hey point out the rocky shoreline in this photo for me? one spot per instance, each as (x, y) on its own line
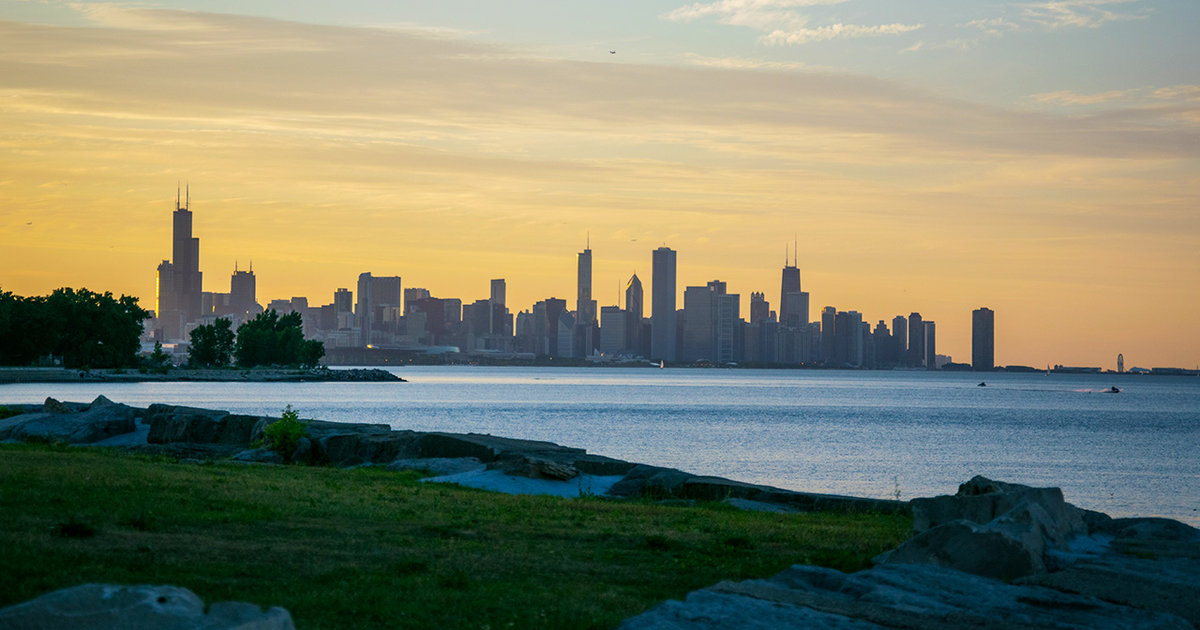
(254, 375)
(994, 555)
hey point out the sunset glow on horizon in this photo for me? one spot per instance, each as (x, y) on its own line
(1038, 158)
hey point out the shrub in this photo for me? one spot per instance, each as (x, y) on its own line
(283, 435)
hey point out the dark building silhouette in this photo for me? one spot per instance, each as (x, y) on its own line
(930, 343)
(899, 355)
(584, 339)
(983, 340)
(634, 312)
(662, 306)
(375, 296)
(760, 308)
(916, 341)
(828, 332)
(793, 302)
(180, 300)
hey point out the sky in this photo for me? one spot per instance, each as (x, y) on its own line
(1040, 158)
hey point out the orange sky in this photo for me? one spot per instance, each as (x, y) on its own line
(324, 151)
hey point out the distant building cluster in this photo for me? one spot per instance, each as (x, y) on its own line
(381, 315)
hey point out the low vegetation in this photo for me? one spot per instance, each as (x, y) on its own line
(369, 548)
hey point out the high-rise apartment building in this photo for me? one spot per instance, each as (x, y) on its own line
(916, 341)
(930, 343)
(983, 340)
(662, 305)
(899, 340)
(760, 309)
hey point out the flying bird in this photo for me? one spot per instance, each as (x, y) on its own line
(612, 52)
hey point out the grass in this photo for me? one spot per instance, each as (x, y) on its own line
(369, 548)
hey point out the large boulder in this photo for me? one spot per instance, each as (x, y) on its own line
(86, 425)
(172, 423)
(982, 500)
(356, 448)
(106, 606)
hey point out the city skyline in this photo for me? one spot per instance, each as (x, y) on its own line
(927, 158)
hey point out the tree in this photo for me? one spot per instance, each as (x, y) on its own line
(83, 327)
(269, 339)
(211, 344)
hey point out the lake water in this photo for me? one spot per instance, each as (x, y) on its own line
(845, 432)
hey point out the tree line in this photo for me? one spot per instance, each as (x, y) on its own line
(94, 330)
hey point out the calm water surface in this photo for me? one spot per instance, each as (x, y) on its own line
(857, 433)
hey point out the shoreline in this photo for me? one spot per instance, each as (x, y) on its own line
(231, 375)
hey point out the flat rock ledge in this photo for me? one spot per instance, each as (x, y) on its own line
(994, 555)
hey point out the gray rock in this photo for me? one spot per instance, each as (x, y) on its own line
(170, 423)
(79, 427)
(920, 597)
(355, 449)
(303, 452)
(978, 549)
(650, 481)
(53, 406)
(438, 466)
(108, 606)
(982, 500)
(535, 468)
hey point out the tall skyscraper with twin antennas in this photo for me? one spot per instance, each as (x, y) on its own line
(179, 296)
(793, 302)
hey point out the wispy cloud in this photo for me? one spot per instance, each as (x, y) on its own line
(780, 21)
(1057, 14)
(1068, 97)
(822, 33)
(993, 27)
(741, 63)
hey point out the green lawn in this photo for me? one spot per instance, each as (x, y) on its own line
(370, 548)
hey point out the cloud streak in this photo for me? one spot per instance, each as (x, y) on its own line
(780, 22)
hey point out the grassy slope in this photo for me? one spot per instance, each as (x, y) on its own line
(368, 548)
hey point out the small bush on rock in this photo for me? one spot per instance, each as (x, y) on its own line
(283, 435)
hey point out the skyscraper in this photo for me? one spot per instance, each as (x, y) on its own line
(930, 344)
(662, 305)
(916, 341)
(498, 324)
(585, 307)
(374, 295)
(180, 296)
(793, 302)
(633, 312)
(899, 354)
(983, 340)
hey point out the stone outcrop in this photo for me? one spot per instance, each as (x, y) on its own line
(916, 597)
(70, 422)
(990, 528)
(995, 555)
(106, 606)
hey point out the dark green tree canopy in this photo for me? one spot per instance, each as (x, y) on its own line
(212, 344)
(83, 327)
(270, 339)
